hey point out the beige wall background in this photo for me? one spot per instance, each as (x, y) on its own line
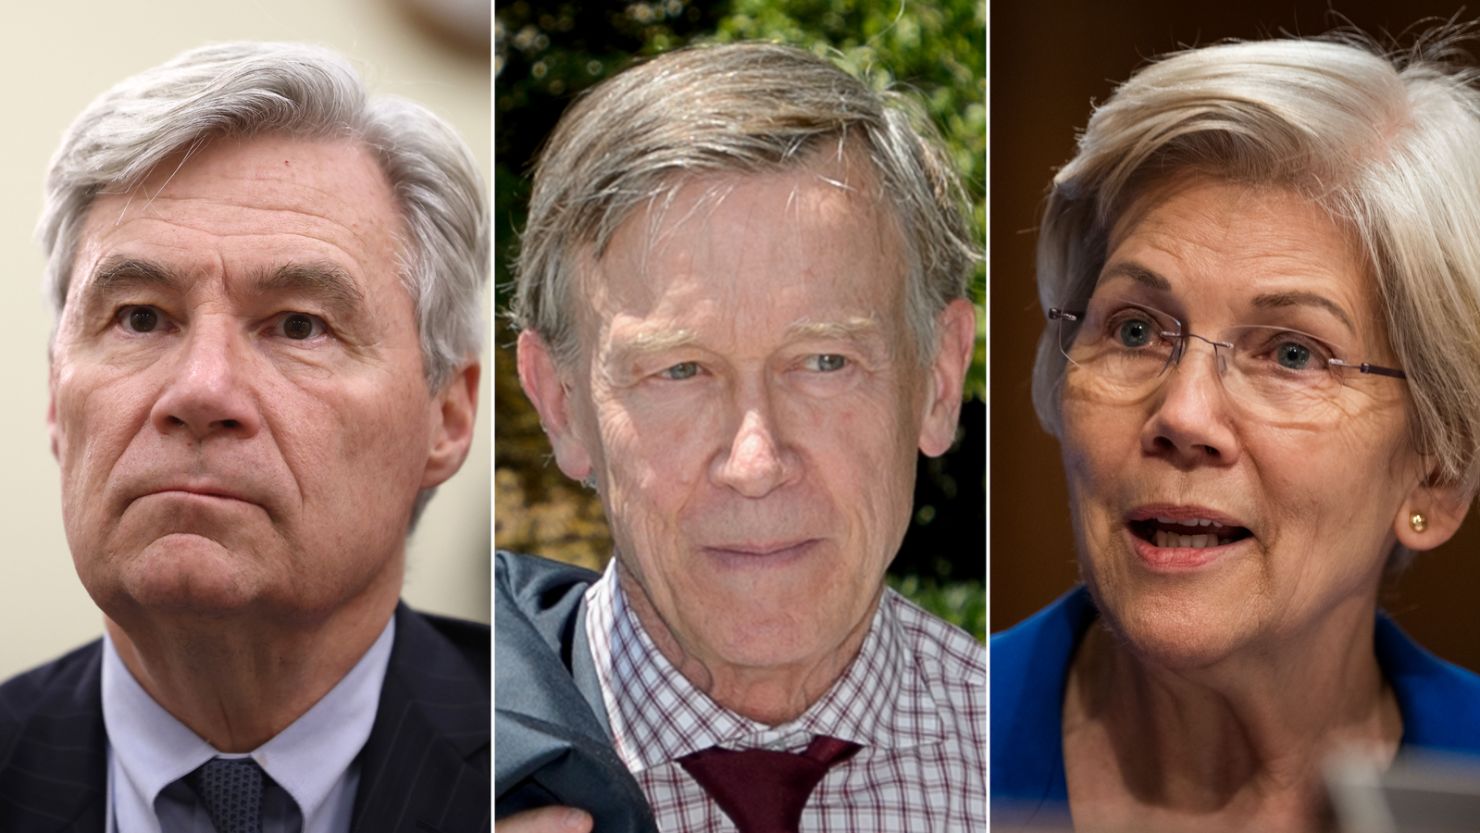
(55, 58)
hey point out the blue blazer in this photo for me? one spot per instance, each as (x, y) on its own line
(554, 744)
(1440, 702)
(423, 768)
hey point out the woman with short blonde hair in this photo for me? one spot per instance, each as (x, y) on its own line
(1262, 362)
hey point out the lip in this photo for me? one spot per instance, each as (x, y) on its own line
(760, 553)
(205, 493)
(1181, 512)
(199, 490)
(1174, 560)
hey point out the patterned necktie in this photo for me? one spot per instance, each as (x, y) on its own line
(231, 790)
(761, 790)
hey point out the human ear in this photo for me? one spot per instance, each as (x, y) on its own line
(51, 421)
(53, 430)
(955, 336)
(456, 413)
(550, 394)
(1431, 513)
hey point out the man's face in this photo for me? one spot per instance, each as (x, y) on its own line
(749, 403)
(238, 403)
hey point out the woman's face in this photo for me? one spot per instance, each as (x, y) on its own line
(1307, 500)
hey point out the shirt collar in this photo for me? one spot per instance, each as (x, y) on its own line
(306, 759)
(657, 715)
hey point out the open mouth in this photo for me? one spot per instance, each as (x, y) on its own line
(1188, 533)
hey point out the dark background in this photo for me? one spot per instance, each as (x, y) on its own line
(546, 52)
(1049, 61)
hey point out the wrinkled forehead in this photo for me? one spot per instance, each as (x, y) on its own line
(813, 219)
(1243, 235)
(335, 187)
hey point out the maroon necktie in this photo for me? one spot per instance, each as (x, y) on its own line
(761, 790)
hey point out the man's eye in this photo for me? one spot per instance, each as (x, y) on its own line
(681, 371)
(826, 362)
(139, 319)
(300, 326)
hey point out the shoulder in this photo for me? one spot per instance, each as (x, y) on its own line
(537, 601)
(1030, 665)
(1033, 649)
(535, 581)
(53, 746)
(553, 746)
(458, 646)
(942, 650)
(1440, 701)
(950, 664)
(63, 685)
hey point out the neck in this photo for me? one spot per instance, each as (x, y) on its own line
(769, 694)
(239, 680)
(1139, 738)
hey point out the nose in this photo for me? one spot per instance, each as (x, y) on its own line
(208, 392)
(1190, 423)
(758, 460)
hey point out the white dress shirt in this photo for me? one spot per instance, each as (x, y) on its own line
(311, 761)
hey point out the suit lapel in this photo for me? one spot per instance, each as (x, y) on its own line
(53, 770)
(425, 766)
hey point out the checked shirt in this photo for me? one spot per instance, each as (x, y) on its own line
(914, 698)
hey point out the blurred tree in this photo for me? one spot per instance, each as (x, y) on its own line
(546, 53)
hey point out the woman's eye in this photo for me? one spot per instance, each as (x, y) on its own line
(1292, 355)
(300, 326)
(1134, 332)
(139, 319)
(826, 362)
(681, 371)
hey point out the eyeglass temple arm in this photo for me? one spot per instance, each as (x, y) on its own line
(1366, 367)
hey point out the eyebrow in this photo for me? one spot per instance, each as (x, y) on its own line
(1138, 273)
(656, 341)
(320, 280)
(1302, 298)
(649, 342)
(1269, 300)
(851, 328)
(323, 281)
(121, 272)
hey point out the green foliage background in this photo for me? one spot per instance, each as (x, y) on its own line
(547, 52)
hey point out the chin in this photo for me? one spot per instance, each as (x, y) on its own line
(177, 574)
(1183, 629)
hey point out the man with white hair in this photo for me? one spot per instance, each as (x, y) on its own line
(743, 312)
(267, 289)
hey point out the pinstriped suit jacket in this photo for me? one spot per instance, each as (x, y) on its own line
(424, 769)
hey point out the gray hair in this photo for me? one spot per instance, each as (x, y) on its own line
(747, 108)
(248, 89)
(1388, 146)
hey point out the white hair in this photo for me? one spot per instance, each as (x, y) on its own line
(247, 89)
(1388, 145)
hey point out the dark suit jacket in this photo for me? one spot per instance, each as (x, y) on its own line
(554, 745)
(424, 767)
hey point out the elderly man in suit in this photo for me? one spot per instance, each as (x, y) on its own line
(742, 307)
(267, 289)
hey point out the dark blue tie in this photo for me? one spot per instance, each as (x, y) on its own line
(231, 790)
